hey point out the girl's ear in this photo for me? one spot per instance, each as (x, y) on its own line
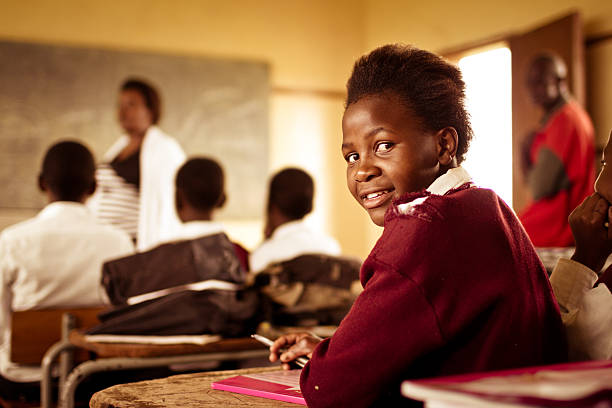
(447, 146)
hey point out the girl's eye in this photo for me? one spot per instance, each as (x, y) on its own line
(384, 147)
(351, 157)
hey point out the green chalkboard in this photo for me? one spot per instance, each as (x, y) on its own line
(212, 106)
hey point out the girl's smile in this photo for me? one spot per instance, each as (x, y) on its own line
(388, 153)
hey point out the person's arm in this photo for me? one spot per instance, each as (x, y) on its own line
(390, 325)
(7, 272)
(547, 176)
(526, 162)
(586, 311)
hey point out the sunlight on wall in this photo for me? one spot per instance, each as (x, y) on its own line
(295, 141)
(488, 79)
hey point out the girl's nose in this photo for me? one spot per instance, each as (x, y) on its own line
(366, 171)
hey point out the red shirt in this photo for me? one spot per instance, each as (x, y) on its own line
(454, 286)
(569, 135)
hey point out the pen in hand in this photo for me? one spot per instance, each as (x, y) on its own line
(300, 361)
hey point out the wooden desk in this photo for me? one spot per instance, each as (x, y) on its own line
(109, 350)
(184, 391)
(113, 357)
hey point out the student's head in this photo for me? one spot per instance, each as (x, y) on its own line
(139, 106)
(199, 189)
(404, 124)
(68, 172)
(603, 185)
(546, 80)
(289, 197)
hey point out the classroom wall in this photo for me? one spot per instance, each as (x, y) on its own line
(440, 24)
(310, 46)
(599, 86)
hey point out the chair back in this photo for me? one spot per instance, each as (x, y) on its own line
(34, 331)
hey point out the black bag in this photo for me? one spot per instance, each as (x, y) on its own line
(227, 313)
(172, 264)
(175, 267)
(309, 290)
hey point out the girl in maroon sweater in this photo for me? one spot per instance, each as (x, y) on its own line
(454, 284)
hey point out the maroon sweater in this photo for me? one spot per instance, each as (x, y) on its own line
(453, 287)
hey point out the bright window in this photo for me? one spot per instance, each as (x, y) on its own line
(488, 79)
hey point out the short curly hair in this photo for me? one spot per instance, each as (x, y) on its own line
(149, 94)
(202, 181)
(431, 87)
(292, 192)
(68, 169)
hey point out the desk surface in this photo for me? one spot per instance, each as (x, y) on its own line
(156, 350)
(185, 391)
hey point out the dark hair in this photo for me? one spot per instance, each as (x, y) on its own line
(201, 180)
(68, 170)
(149, 94)
(431, 87)
(291, 191)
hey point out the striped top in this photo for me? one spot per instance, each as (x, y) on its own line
(119, 203)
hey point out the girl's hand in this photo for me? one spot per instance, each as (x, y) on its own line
(291, 346)
(593, 239)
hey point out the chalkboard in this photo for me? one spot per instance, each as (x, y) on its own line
(214, 107)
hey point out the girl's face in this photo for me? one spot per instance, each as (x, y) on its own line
(603, 185)
(134, 115)
(387, 152)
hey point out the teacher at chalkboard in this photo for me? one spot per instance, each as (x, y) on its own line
(136, 178)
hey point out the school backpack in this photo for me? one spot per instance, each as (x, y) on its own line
(309, 290)
(187, 287)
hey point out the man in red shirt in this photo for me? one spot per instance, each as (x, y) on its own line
(558, 158)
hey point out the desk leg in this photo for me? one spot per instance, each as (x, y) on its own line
(47, 363)
(66, 359)
(84, 370)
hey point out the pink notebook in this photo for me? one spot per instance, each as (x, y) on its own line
(282, 385)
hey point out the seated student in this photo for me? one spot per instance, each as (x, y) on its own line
(587, 310)
(287, 235)
(199, 251)
(200, 190)
(55, 258)
(454, 284)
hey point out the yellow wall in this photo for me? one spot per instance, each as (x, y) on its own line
(441, 24)
(310, 45)
(599, 84)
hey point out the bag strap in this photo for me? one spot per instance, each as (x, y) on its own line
(209, 284)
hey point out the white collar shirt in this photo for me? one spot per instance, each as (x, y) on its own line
(290, 240)
(53, 260)
(196, 229)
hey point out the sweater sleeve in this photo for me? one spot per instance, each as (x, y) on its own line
(586, 310)
(390, 325)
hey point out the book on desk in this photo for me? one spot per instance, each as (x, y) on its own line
(282, 385)
(585, 385)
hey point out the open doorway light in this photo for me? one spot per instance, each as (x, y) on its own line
(488, 78)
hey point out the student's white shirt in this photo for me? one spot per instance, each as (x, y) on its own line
(586, 311)
(54, 259)
(196, 229)
(291, 240)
